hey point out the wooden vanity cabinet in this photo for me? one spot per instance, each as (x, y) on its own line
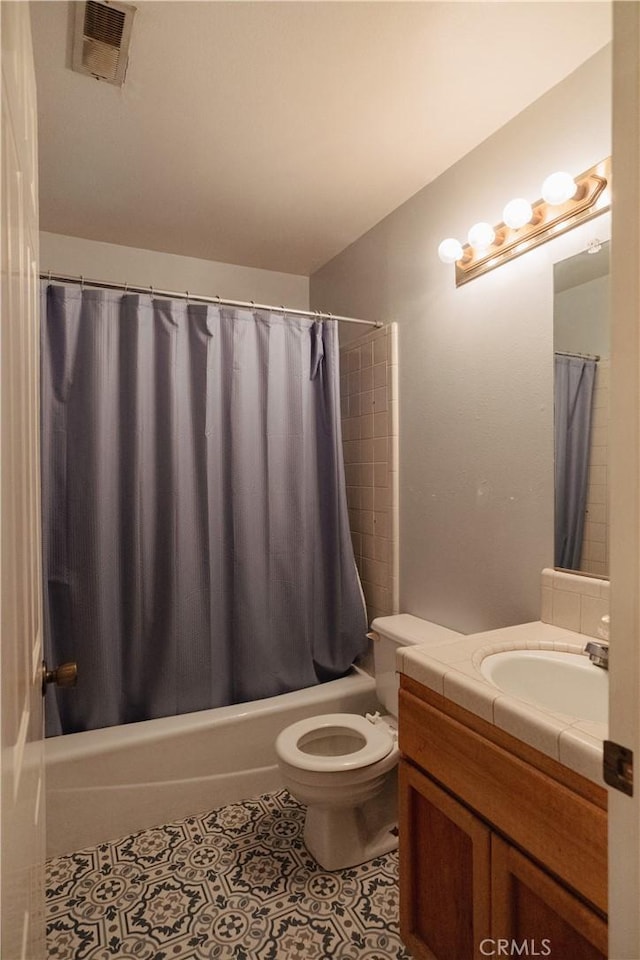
(497, 842)
(445, 864)
(528, 904)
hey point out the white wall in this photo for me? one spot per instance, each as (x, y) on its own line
(475, 363)
(74, 256)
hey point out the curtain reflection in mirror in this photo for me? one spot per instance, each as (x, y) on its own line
(574, 378)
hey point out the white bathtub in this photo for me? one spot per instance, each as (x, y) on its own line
(105, 784)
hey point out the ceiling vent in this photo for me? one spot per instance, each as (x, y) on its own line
(101, 39)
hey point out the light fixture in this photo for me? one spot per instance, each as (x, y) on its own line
(450, 250)
(566, 202)
(481, 236)
(558, 188)
(517, 212)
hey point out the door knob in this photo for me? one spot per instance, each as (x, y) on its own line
(66, 675)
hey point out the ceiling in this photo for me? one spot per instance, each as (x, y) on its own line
(274, 134)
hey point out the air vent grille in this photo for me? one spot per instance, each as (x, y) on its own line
(103, 23)
(101, 39)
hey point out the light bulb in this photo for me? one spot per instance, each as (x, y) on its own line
(517, 212)
(481, 236)
(558, 188)
(450, 250)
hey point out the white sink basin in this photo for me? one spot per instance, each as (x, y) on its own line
(564, 682)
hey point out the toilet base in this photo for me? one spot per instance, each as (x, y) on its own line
(339, 837)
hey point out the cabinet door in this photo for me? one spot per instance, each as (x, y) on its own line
(528, 905)
(444, 872)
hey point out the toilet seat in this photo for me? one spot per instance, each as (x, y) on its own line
(364, 742)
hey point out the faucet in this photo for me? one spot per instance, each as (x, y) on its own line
(598, 653)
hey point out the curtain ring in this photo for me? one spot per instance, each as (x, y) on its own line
(187, 292)
(151, 291)
(126, 285)
(81, 283)
(218, 299)
(49, 279)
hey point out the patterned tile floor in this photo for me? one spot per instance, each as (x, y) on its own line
(235, 884)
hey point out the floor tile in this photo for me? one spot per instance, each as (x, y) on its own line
(233, 884)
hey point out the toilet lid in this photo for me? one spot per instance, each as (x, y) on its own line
(334, 741)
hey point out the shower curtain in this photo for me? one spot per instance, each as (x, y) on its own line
(573, 391)
(196, 542)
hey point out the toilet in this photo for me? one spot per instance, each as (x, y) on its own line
(342, 766)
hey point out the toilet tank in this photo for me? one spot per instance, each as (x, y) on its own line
(390, 633)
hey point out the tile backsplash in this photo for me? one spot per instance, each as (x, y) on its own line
(574, 602)
(369, 407)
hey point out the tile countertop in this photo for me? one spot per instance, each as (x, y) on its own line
(452, 669)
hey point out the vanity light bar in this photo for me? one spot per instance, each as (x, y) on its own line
(565, 204)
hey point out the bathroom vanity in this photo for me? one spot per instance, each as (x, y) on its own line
(500, 838)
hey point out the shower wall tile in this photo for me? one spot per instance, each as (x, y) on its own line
(369, 405)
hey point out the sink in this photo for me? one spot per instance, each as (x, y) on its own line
(564, 682)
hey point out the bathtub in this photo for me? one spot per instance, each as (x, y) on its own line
(105, 784)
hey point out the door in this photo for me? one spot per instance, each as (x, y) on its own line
(529, 907)
(21, 783)
(444, 872)
(624, 710)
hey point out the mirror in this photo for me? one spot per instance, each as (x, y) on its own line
(581, 410)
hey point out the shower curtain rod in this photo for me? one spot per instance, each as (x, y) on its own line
(578, 356)
(218, 301)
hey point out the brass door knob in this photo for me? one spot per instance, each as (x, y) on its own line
(66, 675)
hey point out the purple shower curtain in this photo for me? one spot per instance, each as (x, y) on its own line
(196, 542)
